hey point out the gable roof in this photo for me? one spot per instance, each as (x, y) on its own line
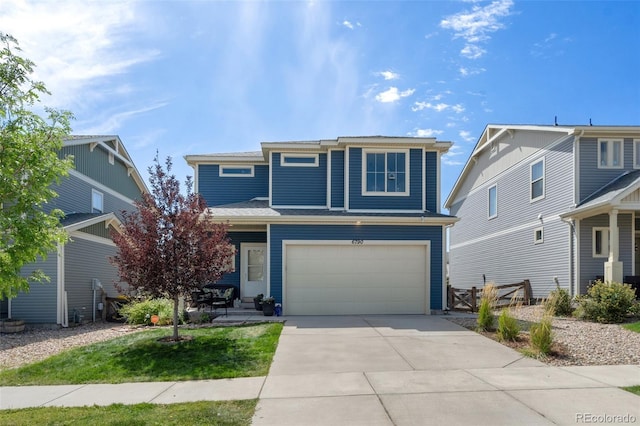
(75, 221)
(113, 145)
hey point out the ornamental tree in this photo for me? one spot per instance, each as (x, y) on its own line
(170, 246)
(29, 165)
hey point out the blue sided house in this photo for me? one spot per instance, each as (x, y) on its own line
(344, 226)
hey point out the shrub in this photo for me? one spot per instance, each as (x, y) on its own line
(542, 336)
(606, 302)
(508, 327)
(141, 312)
(559, 303)
(487, 301)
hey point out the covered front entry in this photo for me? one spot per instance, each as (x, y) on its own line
(355, 277)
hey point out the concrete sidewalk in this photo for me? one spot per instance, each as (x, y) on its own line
(386, 370)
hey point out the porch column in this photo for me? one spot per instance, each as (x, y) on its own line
(612, 267)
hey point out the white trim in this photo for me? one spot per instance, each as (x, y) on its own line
(329, 177)
(385, 193)
(444, 270)
(636, 153)
(423, 163)
(537, 240)
(268, 260)
(350, 242)
(489, 215)
(323, 207)
(578, 255)
(503, 232)
(244, 271)
(285, 155)
(196, 175)
(78, 235)
(60, 286)
(604, 243)
(100, 186)
(609, 160)
(223, 173)
(576, 170)
(543, 178)
(439, 179)
(270, 179)
(105, 217)
(112, 158)
(95, 192)
(347, 195)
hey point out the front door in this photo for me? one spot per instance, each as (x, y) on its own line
(253, 261)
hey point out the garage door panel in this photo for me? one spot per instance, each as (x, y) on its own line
(345, 279)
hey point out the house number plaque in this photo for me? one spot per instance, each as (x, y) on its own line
(357, 242)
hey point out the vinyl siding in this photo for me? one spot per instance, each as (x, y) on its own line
(234, 278)
(359, 202)
(95, 164)
(503, 248)
(39, 305)
(349, 233)
(590, 266)
(431, 181)
(299, 186)
(85, 260)
(591, 177)
(337, 179)
(219, 191)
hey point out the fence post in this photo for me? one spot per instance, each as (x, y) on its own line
(527, 292)
(473, 298)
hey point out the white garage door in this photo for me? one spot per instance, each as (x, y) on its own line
(350, 279)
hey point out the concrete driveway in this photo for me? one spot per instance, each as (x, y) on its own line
(420, 370)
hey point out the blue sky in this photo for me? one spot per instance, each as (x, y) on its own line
(195, 77)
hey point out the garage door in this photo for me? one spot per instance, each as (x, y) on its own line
(361, 278)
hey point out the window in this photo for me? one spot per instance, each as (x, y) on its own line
(96, 202)
(299, 160)
(236, 171)
(385, 173)
(600, 242)
(493, 202)
(538, 237)
(537, 180)
(610, 154)
(636, 153)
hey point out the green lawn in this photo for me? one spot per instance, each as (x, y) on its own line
(193, 413)
(214, 353)
(633, 389)
(634, 326)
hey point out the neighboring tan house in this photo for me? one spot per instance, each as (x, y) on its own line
(344, 226)
(558, 205)
(103, 183)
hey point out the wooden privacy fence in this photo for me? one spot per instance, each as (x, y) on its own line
(467, 299)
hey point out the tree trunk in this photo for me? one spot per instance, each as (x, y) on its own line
(176, 301)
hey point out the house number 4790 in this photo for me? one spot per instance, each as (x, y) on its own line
(357, 242)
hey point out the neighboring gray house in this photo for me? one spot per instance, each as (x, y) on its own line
(103, 183)
(552, 204)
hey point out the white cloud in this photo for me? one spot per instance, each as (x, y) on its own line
(439, 107)
(113, 121)
(467, 136)
(347, 24)
(475, 26)
(426, 133)
(450, 159)
(77, 46)
(457, 108)
(466, 72)
(388, 75)
(393, 95)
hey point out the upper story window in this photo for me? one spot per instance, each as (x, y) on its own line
(385, 173)
(600, 242)
(537, 180)
(236, 171)
(299, 160)
(493, 202)
(97, 202)
(636, 153)
(610, 154)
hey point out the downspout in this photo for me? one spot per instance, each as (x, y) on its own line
(572, 269)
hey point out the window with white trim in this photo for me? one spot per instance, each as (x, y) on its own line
(97, 202)
(538, 235)
(636, 153)
(299, 160)
(236, 171)
(600, 242)
(385, 172)
(493, 201)
(537, 180)
(610, 154)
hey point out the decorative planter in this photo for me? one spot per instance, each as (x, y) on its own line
(268, 309)
(11, 326)
(257, 303)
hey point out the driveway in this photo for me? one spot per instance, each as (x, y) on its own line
(417, 370)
